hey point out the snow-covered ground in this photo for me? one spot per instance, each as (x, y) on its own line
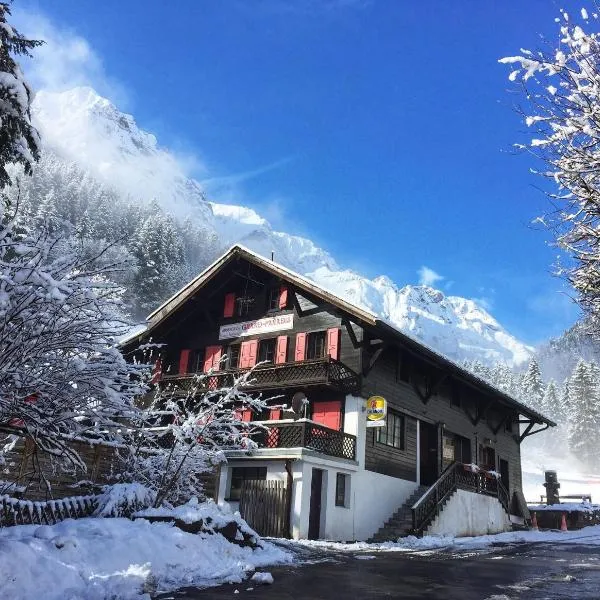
(99, 558)
(587, 536)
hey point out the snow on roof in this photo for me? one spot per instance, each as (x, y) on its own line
(166, 308)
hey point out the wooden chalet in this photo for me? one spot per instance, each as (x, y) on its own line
(447, 459)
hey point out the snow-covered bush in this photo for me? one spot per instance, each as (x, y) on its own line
(179, 436)
(123, 499)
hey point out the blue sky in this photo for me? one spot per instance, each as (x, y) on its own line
(381, 129)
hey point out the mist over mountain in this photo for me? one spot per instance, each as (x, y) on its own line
(114, 183)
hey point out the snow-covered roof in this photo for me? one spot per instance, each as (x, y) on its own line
(364, 315)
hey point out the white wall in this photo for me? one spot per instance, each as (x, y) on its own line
(467, 513)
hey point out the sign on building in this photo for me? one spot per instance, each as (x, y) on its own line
(376, 411)
(258, 326)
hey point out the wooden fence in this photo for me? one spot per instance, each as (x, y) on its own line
(264, 505)
(14, 511)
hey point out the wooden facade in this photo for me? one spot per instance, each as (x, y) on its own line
(441, 413)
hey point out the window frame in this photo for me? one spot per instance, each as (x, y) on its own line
(273, 296)
(234, 350)
(342, 489)
(265, 343)
(313, 338)
(394, 416)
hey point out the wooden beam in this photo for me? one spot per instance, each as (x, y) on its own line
(351, 333)
(526, 432)
(373, 360)
(503, 420)
(481, 414)
(529, 431)
(430, 388)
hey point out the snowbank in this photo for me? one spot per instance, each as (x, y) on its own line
(588, 536)
(117, 558)
(586, 507)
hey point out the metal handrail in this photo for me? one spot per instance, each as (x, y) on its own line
(456, 476)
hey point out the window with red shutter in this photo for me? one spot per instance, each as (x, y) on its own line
(253, 345)
(184, 361)
(333, 343)
(300, 352)
(281, 352)
(328, 413)
(156, 371)
(274, 414)
(229, 308)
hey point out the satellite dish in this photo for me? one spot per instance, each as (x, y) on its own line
(299, 403)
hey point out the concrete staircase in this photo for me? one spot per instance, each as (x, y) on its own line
(400, 523)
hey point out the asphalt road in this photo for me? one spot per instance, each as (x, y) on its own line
(508, 572)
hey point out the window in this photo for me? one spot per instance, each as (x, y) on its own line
(241, 474)
(266, 350)
(342, 489)
(273, 298)
(508, 425)
(245, 305)
(403, 369)
(233, 356)
(393, 432)
(317, 345)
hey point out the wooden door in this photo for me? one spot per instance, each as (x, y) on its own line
(314, 517)
(428, 453)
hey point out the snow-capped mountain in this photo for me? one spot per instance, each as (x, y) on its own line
(81, 127)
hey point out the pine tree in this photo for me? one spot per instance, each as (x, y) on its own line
(584, 399)
(551, 402)
(532, 386)
(19, 141)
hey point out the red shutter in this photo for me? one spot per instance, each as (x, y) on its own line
(156, 371)
(243, 414)
(300, 346)
(253, 352)
(283, 297)
(184, 361)
(244, 354)
(248, 352)
(328, 413)
(212, 357)
(333, 343)
(281, 352)
(275, 414)
(229, 307)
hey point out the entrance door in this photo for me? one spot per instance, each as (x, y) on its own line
(314, 516)
(428, 453)
(504, 473)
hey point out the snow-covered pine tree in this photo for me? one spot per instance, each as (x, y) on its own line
(532, 386)
(19, 141)
(551, 402)
(160, 255)
(584, 425)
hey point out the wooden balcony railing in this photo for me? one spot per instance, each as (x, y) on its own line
(305, 433)
(457, 476)
(323, 371)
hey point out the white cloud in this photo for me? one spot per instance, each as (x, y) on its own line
(428, 276)
(66, 60)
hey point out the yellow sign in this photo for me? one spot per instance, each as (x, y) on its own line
(376, 411)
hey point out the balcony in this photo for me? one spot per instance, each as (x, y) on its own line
(305, 433)
(319, 372)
